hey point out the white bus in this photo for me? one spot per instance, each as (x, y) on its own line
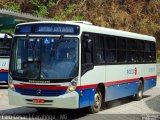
(5, 47)
(76, 64)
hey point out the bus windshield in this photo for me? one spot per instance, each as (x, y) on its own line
(45, 58)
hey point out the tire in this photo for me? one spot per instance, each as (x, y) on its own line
(97, 102)
(139, 94)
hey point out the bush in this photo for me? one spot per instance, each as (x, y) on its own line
(41, 8)
(12, 6)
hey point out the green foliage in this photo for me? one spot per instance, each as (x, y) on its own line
(41, 7)
(12, 6)
(11, 31)
(158, 60)
(78, 18)
(42, 12)
(64, 14)
(69, 9)
(58, 18)
(158, 56)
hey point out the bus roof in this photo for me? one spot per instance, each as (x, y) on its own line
(88, 27)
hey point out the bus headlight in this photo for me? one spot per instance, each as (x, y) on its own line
(72, 86)
(10, 83)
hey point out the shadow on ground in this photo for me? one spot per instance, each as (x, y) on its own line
(118, 102)
(63, 114)
(31, 113)
(154, 103)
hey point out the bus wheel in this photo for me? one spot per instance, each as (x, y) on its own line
(97, 102)
(139, 94)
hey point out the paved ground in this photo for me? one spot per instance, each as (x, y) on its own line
(123, 109)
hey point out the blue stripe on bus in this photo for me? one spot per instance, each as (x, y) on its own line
(114, 91)
(149, 83)
(121, 90)
(88, 97)
(3, 76)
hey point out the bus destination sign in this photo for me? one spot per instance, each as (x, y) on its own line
(65, 29)
(55, 29)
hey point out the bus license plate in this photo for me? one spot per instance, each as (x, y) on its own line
(38, 101)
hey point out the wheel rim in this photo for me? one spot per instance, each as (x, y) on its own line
(140, 93)
(97, 99)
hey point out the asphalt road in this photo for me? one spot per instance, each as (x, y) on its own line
(123, 109)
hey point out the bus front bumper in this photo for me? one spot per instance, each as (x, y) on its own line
(69, 100)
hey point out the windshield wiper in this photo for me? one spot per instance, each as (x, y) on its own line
(60, 38)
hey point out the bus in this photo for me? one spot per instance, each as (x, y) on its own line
(106, 64)
(5, 47)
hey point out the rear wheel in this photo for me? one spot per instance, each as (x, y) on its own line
(139, 94)
(97, 102)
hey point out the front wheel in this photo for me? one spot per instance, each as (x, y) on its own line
(139, 94)
(97, 102)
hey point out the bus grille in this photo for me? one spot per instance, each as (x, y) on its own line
(40, 92)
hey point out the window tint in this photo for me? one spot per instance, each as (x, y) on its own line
(140, 45)
(121, 56)
(153, 46)
(110, 43)
(147, 46)
(131, 44)
(121, 43)
(131, 50)
(99, 43)
(140, 56)
(147, 57)
(87, 50)
(121, 50)
(139, 51)
(153, 56)
(131, 57)
(150, 51)
(110, 56)
(110, 49)
(153, 51)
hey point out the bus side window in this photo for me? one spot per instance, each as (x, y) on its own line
(139, 51)
(150, 51)
(121, 50)
(131, 50)
(99, 45)
(87, 53)
(153, 51)
(110, 49)
(147, 51)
